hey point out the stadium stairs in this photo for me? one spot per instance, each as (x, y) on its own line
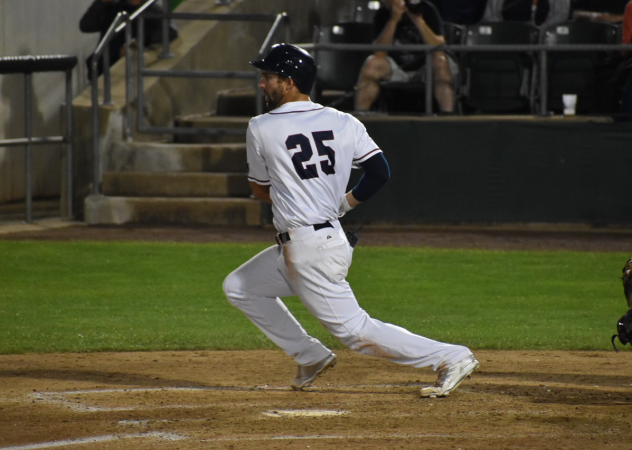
(195, 180)
(185, 179)
(191, 180)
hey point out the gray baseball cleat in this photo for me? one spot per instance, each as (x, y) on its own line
(451, 377)
(307, 374)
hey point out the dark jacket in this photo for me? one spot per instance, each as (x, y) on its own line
(100, 15)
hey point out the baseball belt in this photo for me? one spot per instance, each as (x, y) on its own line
(282, 238)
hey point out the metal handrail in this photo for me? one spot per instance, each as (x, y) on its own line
(469, 48)
(541, 49)
(27, 65)
(278, 21)
(120, 23)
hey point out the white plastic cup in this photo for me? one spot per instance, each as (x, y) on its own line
(570, 103)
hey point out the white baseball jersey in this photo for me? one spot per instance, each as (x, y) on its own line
(305, 152)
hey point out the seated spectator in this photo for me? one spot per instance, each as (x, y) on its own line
(461, 12)
(536, 12)
(395, 24)
(598, 10)
(100, 15)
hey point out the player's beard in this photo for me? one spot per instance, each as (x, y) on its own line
(273, 98)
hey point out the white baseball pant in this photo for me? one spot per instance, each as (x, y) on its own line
(314, 265)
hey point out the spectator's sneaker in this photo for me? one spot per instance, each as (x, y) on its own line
(451, 377)
(307, 374)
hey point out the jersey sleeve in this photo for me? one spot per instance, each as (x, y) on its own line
(257, 171)
(365, 145)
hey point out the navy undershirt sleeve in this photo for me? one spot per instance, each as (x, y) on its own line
(376, 174)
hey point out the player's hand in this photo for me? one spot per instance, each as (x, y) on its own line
(347, 203)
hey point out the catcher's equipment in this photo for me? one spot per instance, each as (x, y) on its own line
(292, 62)
(627, 282)
(624, 329)
(624, 325)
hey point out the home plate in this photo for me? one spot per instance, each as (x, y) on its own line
(304, 413)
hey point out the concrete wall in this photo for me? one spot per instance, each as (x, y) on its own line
(38, 27)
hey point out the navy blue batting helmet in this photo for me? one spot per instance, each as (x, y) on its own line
(290, 61)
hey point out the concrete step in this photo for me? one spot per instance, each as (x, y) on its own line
(102, 210)
(200, 179)
(175, 184)
(237, 102)
(177, 157)
(236, 123)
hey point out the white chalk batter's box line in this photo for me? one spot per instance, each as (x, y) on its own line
(320, 437)
(59, 398)
(98, 439)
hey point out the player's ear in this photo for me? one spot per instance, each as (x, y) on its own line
(290, 84)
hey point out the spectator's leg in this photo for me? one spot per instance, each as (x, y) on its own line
(376, 68)
(443, 82)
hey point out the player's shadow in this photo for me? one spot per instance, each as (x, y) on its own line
(554, 388)
(567, 378)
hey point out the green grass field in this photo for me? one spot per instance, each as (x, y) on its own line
(92, 296)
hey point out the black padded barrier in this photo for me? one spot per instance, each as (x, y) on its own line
(501, 171)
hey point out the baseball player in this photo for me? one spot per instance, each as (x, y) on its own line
(300, 156)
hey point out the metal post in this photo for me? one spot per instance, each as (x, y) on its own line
(428, 83)
(544, 83)
(96, 182)
(28, 132)
(286, 27)
(140, 48)
(166, 53)
(129, 81)
(107, 84)
(104, 49)
(68, 139)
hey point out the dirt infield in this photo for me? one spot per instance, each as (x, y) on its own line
(242, 400)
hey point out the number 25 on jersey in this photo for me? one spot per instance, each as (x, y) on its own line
(326, 158)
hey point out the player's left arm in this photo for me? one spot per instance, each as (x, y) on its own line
(376, 174)
(261, 192)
